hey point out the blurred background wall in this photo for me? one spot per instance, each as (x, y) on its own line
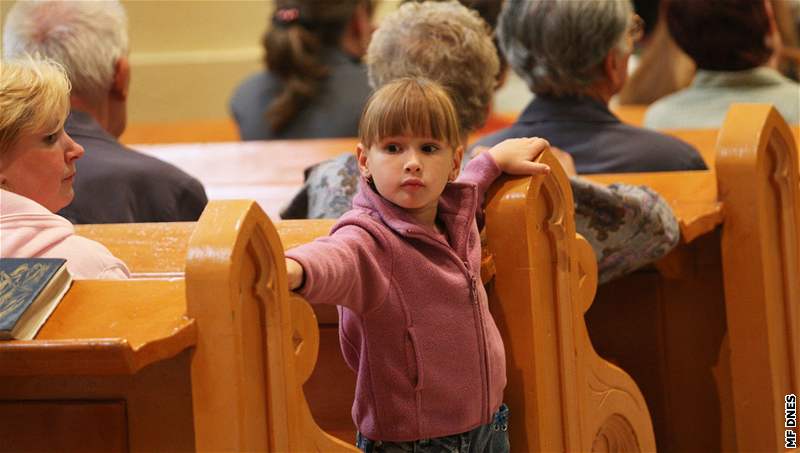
(188, 55)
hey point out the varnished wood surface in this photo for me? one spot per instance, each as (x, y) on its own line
(225, 351)
(102, 327)
(711, 336)
(268, 172)
(67, 427)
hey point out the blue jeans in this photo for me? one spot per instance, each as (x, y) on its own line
(489, 438)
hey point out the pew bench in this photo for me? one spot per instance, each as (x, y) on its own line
(711, 334)
(540, 278)
(212, 360)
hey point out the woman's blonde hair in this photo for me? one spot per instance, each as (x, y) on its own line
(410, 106)
(34, 95)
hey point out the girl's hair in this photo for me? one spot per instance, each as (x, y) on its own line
(34, 94)
(410, 106)
(294, 44)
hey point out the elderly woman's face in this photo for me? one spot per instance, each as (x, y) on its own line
(41, 166)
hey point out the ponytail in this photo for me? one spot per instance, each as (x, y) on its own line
(294, 45)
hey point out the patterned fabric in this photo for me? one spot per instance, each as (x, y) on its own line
(627, 226)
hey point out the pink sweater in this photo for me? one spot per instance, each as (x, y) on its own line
(29, 230)
(413, 319)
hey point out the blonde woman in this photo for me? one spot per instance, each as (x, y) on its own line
(37, 170)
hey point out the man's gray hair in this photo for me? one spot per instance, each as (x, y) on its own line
(86, 37)
(557, 46)
(444, 42)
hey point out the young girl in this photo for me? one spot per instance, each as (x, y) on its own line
(404, 268)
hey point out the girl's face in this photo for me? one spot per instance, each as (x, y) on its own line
(41, 166)
(411, 172)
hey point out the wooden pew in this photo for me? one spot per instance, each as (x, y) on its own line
(212, 361)
(269, 172)
(568, 398)
(711, 335)
(562, 395)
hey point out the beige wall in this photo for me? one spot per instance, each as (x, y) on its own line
(188, 55)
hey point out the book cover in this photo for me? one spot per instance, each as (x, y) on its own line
(30, 289)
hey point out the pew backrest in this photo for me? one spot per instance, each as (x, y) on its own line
(759, 186)
(567, 397)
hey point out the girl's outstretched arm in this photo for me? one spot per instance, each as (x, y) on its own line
(352, 268)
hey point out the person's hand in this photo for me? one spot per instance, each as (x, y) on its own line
(295, 273)
(514, 156)
(565, 159)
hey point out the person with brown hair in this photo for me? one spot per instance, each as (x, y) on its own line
(315, 84)
(404, 266)
(731, 42)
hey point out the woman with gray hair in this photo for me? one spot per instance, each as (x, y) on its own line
(574, 57)
(446, 42)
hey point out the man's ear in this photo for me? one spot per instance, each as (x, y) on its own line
(361, 157)
(458, 155)
(614, 67)
(122, 78)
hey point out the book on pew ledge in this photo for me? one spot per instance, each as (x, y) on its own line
(30, 289)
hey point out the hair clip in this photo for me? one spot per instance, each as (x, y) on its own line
(287, 15)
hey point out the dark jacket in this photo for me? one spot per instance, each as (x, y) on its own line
(597, 140)
(333, 112)
(115, 184)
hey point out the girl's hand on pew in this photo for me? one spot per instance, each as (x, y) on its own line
(295, 273)
(514, 156)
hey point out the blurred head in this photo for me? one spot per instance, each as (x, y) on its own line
(410, 142)
(444, 42)
(37, 158)
(294, 44)
(88, 38)
(560, 47)
(721, 35)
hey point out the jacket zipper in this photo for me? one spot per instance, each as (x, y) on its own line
(476, 309)
(484, 353)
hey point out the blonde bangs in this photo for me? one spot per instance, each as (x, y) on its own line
(34, 96)
(410, 107)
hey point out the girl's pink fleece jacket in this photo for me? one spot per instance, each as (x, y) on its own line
(414, 323)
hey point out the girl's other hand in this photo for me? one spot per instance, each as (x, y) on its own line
(514, 156)
(295, 273)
